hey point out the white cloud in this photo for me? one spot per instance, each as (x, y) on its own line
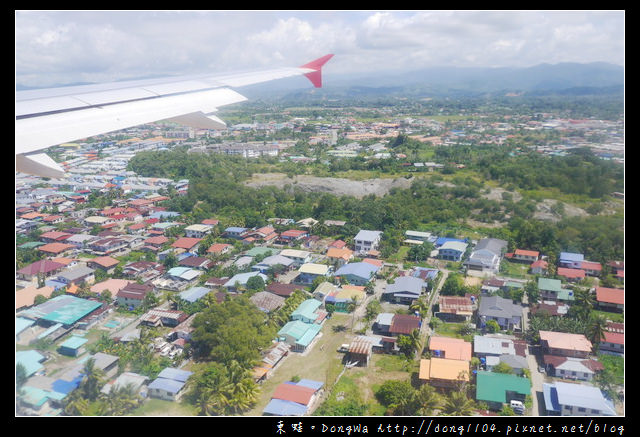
(67, 46)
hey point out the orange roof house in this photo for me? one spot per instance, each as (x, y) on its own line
(443, 372)
(26, 296)
(451, 348)
(610, 298)
(186, 243)
(56, 248)
(565, 344)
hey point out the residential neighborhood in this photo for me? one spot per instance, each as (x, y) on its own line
(141, 295)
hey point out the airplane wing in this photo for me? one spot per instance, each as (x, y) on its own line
(47, 117)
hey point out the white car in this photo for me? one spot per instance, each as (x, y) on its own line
(517, 406)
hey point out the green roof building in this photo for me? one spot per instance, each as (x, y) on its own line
(73, 346)
(298, 334)
(307, 311)
(498, 388)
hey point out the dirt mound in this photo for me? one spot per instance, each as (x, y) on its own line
(337, 186)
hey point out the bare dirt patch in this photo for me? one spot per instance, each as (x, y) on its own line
(338, 186)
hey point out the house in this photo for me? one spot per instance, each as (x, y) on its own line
(308, 312)
(507, 314)
(294, 398)
(196, 262)
(265, 234)
(219, 248)
(443, 372)
(571, 275)
(77, 275)
(613, 342)
(187, 244)
(571, 368)
(26, 297)
(450, 348)
(73, 346)
(365, 241)
(291, 236)
(570, 260)
(359, 273)
(267, 302)
(143, 270)
(456, 308)
(566, 399)
(591, 268)
(310, 271)
(161, 317)
(539, 267)
(359, 351)
(284, 290)
(339, 257)
(197, 231)
(169, 384)
(527, 256)
(404, 290)
(44, 268)
(342, 298)
(194, 294)
(299, 257)
(403, 324)
(452, 250)
(240, 280)
(104, 263)
(551, 289)
(299, 334)
(610, 299)
(56, 249)
(486, 255)
(489, 349)
(271, 261)
(111, 285)
(235, 232)
(133, 294)
(137, 382)
(565, 344)
(497, 389)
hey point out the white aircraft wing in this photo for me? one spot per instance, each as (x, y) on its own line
(47, 117)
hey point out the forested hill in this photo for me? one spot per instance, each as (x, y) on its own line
(216, 190)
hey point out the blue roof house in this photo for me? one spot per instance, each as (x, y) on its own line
(359, 273)
(570, 260)
(565, 399)
(404, 290)
(169, 384)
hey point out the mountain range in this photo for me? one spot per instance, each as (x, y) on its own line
(562, 78)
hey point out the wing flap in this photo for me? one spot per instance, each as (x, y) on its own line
(41, 132)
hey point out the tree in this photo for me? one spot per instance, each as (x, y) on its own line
(426, 400)
(596, 329)
(409, 344)
(91, 381)
(255, 283)
(458, 404)
(492, 326)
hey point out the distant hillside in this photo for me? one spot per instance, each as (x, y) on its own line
(564, 78)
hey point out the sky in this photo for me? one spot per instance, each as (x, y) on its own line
(63, 47)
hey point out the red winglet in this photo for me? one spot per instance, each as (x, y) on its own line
(316, 76)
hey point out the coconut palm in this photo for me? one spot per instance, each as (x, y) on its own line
(91, 381)
(458, 404)
(427, 400)
(596, 329)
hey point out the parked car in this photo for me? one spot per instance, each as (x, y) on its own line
(517, 406)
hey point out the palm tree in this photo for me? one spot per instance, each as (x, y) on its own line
(91, 382)
(122, 399)
(584, 302)
(596, 329)
(458, 404)
(426, 400)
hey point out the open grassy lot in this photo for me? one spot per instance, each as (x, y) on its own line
(322, 362)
